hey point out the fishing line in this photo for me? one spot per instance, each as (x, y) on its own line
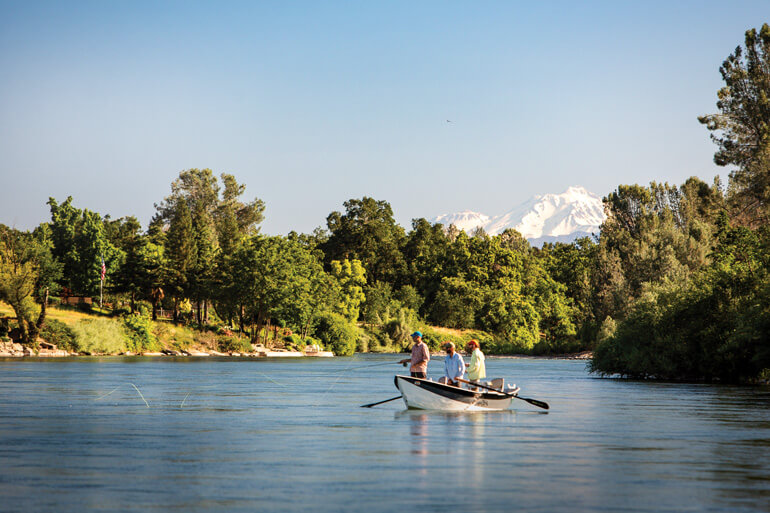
(363, 367)
(127, 383)
(271, 379)
(336, 380)
(181, 405)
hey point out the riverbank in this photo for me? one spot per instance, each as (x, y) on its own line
(47, 350)
(16, 350)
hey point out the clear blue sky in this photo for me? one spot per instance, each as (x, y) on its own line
(311, 104)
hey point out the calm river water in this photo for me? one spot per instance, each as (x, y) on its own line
(289, 435)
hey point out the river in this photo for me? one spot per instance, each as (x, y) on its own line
(289, 435)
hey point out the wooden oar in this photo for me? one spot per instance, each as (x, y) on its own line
(375, 404)
(534, 402)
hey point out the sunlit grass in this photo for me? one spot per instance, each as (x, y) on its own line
(66, 315)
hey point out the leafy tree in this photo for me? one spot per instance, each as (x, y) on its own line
(79, 243)
(651, 235)
(741, 129)
(337, 333)
(714, 327)
(506, 312)
(572, 265)
(379, 297)
(19, 274)
(49, 272)
(202, 273)
(425, 253)
(457, 302)
(409, 298)
(351, 277)
(181, 254)
(279, 280)
(367, 232)
(132, 276)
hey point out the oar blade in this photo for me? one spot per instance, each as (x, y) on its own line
(380, 402)
(535, 402)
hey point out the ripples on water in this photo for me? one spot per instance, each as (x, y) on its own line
(289, 435)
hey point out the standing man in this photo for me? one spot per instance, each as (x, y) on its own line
(476, 370)
(420, 357)
(454, 366)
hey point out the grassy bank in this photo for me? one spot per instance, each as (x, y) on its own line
(101, 332)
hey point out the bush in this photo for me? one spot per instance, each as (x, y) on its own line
(294, 340)
(140, 335)
(172, 336)
(374, 339)
(84, 307)
(56, 332)
(102, 336)
(336, 333)
(5, 326)
(233, 344)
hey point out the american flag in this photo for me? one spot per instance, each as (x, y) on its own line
(104, 269)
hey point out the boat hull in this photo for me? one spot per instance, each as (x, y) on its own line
(424, 394)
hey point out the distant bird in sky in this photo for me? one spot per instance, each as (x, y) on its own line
(448, 121)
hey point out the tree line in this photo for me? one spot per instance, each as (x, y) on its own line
(675, 286)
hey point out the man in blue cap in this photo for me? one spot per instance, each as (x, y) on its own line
(420, 357)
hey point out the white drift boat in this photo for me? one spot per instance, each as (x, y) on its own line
(425, 394)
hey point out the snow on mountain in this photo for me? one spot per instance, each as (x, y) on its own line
(544, 218)
(467, 221)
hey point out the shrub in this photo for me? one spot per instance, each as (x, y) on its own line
(337, 333)
(172, 336)
(233, 344)
(56, 332)
(85, 307)
(102, 336)
(5, 326)
(140, 335)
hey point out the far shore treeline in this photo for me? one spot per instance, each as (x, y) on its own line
(676, 285)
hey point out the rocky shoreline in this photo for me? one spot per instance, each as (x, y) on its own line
(16, 350)
(46, 350)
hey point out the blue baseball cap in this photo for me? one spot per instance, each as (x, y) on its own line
(416, 334)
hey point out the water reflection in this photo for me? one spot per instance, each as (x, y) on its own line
(456, 441)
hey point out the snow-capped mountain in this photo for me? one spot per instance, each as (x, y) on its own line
(467, 220)
(545, 218)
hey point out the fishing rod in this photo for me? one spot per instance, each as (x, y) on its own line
(364, 366)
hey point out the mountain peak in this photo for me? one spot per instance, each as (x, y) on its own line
(563, 217)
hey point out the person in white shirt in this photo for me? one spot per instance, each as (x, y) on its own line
(454, 366)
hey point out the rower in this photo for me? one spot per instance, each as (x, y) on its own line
(454, 366)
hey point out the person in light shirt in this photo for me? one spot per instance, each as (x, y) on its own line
(454, 366)
(476, 369)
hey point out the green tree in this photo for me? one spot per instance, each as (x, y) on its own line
(279, 281)
(379, 297)
(132, 276)
(425, 253)
(367, 232)
(79, 243)
(351, 276)
(181, 254)
(19, 274)
(741, 129)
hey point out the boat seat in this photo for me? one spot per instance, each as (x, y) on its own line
(497, 383)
